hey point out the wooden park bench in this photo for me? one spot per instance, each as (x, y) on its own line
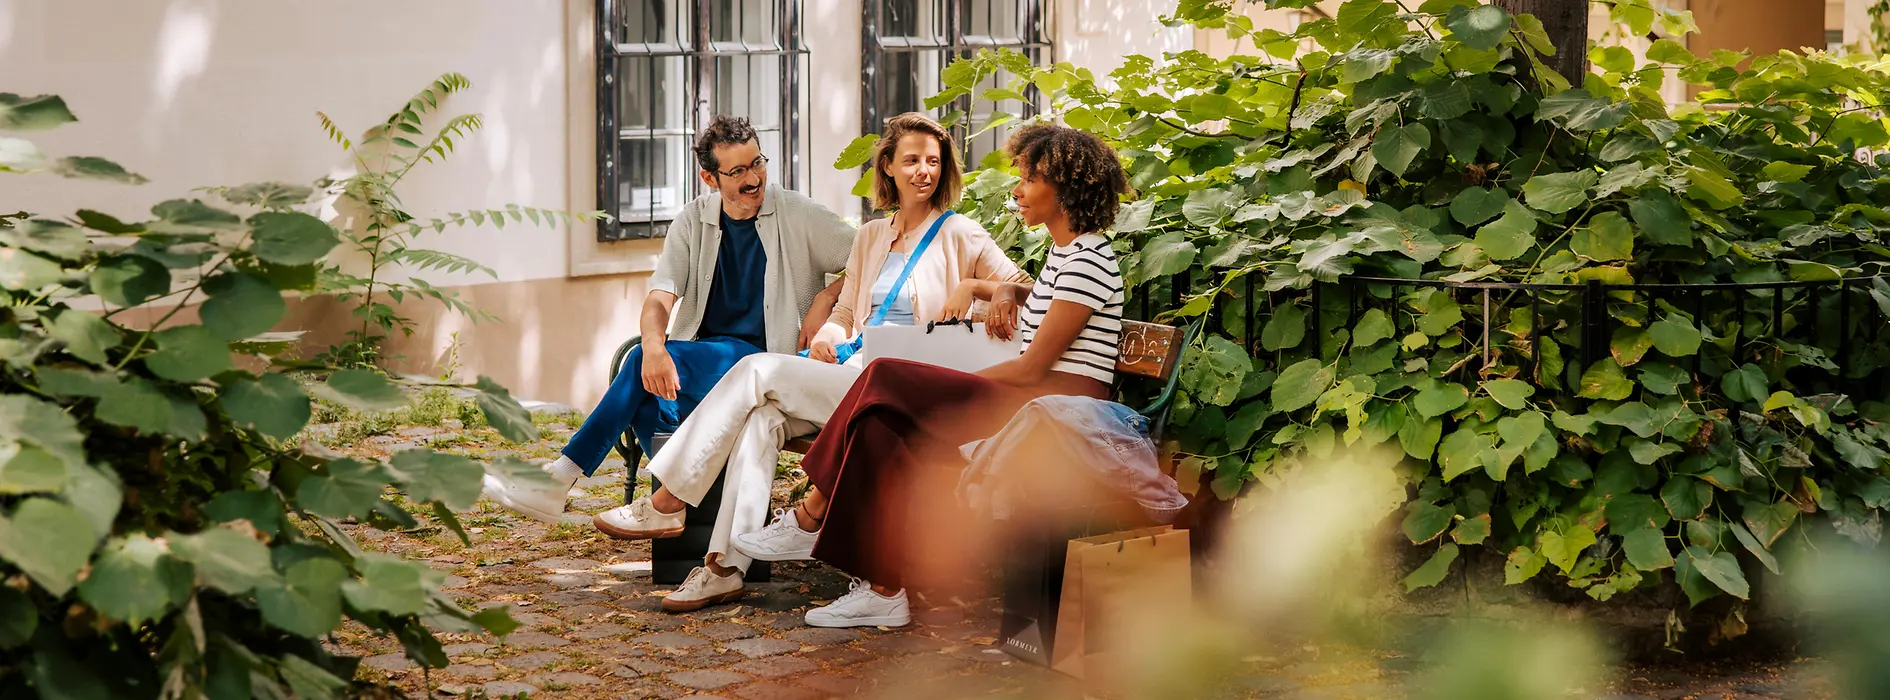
(1148, 350)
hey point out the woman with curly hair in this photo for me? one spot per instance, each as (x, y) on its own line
(902, 422)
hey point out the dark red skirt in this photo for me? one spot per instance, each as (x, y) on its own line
(888, 460)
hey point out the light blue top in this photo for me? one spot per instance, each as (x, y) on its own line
(901, 312)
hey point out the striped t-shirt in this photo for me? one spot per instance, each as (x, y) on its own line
(1084, 272)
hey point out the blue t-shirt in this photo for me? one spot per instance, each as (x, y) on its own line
(736, 297)
(901, 312)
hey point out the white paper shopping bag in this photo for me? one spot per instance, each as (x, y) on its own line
(966, 349)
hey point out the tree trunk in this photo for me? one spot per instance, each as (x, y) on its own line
(1566, 22)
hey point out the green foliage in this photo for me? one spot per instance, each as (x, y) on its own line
(160, 533)
(1428, 142)
(381, 230)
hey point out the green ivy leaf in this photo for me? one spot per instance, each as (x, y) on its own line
(1215, 370)
(1475, 205)
(135, 403)
(1208, 207)
(1769, 521)
(1686, 498)
(31, 470)
(1472, 530)
(1285, 330)
(505, 415)
(1482, 27)
(1299, 385)
(37, 113)
(1646, 452)
(241, 305)
(1511, 236)
(135, 579)
(857, 153)
(1440, 399)
(1520, 433)
(187, 354)
(1433, 570)
(1424, 521)
(272, 404)
(438, 476)
(1511, 393)
(86, 336)
(1661, 218)
(226, 559)
(390, 585)
(129, 280)
(1607, 237)
(1663, 378)
(1630, 345)
(308, 603)
(1374, 326)
(1397, 146)
(1721, 568)
(1635, 511)
(30, 420)
(362, 390)
(349, 488)
(1752, 545)
(1564, 549)
(1604, 380)
(1579, 110)
(50, 541)
(1460, 452)
(1747, 384)
(1559, 192)
(1647, 550)
(1521, 565)
(1165, 255)
(24, 271)
(1675, 336)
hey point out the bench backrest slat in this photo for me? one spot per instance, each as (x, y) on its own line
(1149, 350)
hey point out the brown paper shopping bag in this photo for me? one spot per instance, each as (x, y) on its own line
(1105, 573)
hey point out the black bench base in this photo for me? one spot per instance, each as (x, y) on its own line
(672, 558)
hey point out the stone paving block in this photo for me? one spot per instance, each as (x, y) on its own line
(658, 622)
(539, 620)
(529, 640)
(502, 689)
(759, 647)
(830, 683)
(781, 621)
(838, 656)
(593, 504)
(670, 640)
(578, 580)
(727, 631)
(564, 563)
(531, 661)
(584, 613)
(601, 630)
(707, 679)
(388, 662)
(823, 635)
(776, 666)
(470, 672)
(777, 691)
(646, 688)
(568, 679)
(702, 657)
(576, 597)
(902, 644)
(466, 649)
(648, 666)
(454, 582)
(631, 569)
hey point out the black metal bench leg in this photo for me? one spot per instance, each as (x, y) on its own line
(672, 558)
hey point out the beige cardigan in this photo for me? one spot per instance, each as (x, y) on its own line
(962, 250)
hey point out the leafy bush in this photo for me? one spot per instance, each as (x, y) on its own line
(157, 536)
(1431, 144)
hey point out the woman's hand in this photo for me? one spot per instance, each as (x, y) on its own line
(1000, 316)
(958, 305)
(823, 350)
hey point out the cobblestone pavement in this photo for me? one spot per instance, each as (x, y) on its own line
(592, 628)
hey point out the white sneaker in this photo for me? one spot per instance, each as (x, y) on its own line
(861, 607)
(539, 501)
(639, 520)
(702, 589)
(781, 540)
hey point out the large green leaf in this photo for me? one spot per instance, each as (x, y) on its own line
(94, 168)
(857, 152)
(18, 618)
(1214, 370)
(362, 389)
(291, 238)
(24, 271)
(1418, 436)
(1425, 521)
(1635, 511)
(1460, 452)
(1647, 550)
(390, 585)
(1559, 192)
(1373, 327)
(1509, 237)
(1675, 336)
(1604, 380)
(135, 579)
(1481, 27)
(50, 541)
(130, 280)
(136, 403)
(86, 335)
(1511, 393)
(29, 469)
(272, 404)
(1607, 237)
(1748, 383)
(504, 414)
(1165, 255)
(1629, 345)
(438, 476)
(1397, 146)
(1661, 219)
(1663, 378)
(1475, 205)
(30, 420)
(1208, 207)
(188, 354)
(227, 560)
(1440, 399)
(1752, 545)
(1433, 570)
(20, 156)
(1300, 384)
(348, 488)
(240, 305)
(1285, 330)
(1721, 568)
(308, 602)
(36, 113)
(1578, 109)
(1686, 498)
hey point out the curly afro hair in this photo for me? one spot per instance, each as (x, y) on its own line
(1087, 175)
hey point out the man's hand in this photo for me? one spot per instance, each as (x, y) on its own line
(659, 374)
(824, 351)
(818, 312)
(808, 331)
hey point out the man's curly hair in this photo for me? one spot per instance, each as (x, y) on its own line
(1085, 171)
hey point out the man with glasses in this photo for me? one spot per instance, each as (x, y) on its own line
(741, 273)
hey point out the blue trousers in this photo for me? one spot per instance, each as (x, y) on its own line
(699, 365)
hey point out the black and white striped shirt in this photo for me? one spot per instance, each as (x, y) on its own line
(1084, 272)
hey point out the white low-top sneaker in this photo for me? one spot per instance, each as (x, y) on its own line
(861, 607)
(539, 500)
(702, 589)
(781, 540)
(639, 520)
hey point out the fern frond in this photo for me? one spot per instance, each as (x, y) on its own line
(422, 259)
(428, 100)
(334, 132)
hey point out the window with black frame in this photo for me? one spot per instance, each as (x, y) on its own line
(665, 67)
(909, 42)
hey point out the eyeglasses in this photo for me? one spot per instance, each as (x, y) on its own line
(760, 165)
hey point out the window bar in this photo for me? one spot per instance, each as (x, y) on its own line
(609, 143)
(1592, 309)
(1488, 350)
(1811, 330)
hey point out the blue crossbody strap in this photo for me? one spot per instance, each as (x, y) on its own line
(879, 316)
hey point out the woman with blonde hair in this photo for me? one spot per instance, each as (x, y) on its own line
(903, 268)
